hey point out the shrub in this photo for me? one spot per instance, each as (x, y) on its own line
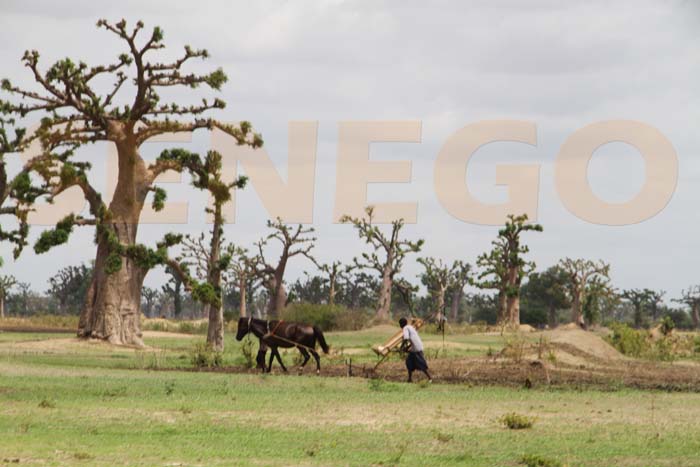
(533, 460)
(629, 341)
(47, 404)
(248, 352)
(667, 325)
(202, 356)
(514, 346)
(514, 421)
(327, 317)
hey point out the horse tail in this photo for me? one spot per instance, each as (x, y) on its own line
(318, 334)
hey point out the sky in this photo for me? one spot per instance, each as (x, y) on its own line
(559, 64)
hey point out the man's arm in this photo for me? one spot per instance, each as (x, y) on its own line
(406, 342)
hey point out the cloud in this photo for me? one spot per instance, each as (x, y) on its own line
(562, 65)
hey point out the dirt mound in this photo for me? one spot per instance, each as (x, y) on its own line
(526, 328)
(586, 342)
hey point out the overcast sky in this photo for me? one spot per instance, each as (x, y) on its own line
(559, 64)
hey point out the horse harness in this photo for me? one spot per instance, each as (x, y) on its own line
(271, 333)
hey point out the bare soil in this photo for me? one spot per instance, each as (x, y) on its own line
(566, 358)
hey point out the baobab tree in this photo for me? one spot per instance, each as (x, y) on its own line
(243, 269)
(598, 292)
(436, 278)
(460, 276)
(174, 290)
(388, 255)
(6, 284)
(642, 300)
(504, 268)
(150, 298)
(295, 242)
(74, 113)
(333, 274)
(580, 273)
(211, 259)
(691, 297)
(69, 285)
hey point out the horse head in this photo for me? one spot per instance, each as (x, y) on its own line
(243, 328)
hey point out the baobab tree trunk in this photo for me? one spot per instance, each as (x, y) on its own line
(278, 297)
(2, 306)
(215, 330)
(502, 312)
(513, 310)
(112, 307)
(331, 292)
(384, 304)
(696, 316)
(576, 315)
(456, 302)
(513, 298)
(242, 285)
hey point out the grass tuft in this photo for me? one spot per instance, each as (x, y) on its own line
(514, 421)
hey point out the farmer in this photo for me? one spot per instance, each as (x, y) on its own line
(412, 343)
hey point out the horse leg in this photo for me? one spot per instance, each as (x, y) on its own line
(318, 361)
(306, 356)
(279, 358)
(272, 358)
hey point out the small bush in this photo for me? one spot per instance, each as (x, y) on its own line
(514, 346)
(514, 421)
(533, 460)
(248, 352)
(202, 356)
(47, 404)
(327, 317)
(629, 341)
(169, 388)
(667, 325)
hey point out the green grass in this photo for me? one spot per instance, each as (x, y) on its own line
(91, 407)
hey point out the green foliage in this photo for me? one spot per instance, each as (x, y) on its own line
(327, 317)
(629, 341)
(159, 198)
(56, 236)
(637, 343)
(205, 292)
(504, 267)
(202, 356)
(248, 352)
(113, 263)
(514, 421)
(667, 325)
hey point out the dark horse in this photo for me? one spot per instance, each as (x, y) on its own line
(274, 334)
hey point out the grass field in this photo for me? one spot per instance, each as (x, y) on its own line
(68, 403)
